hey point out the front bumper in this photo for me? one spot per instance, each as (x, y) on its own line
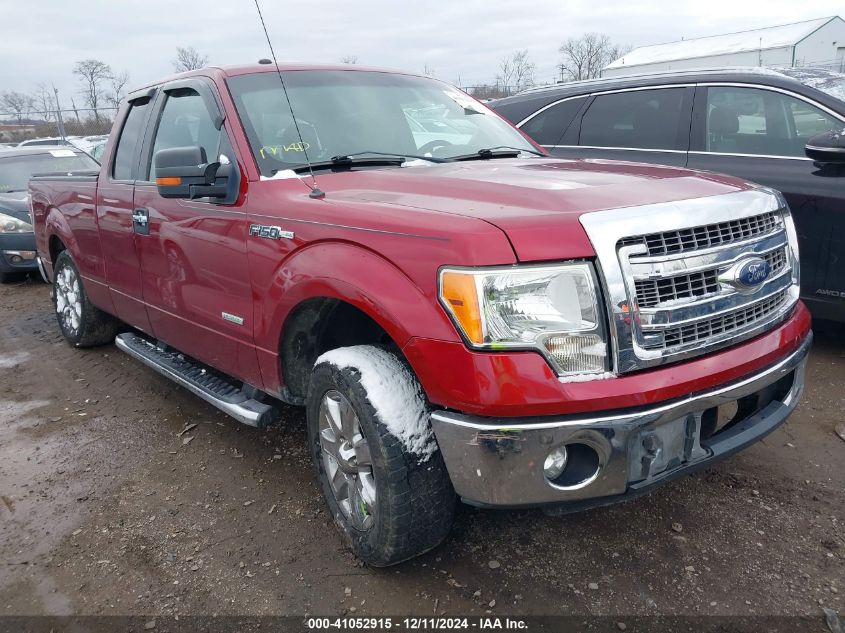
(616, 455)
(17, 252)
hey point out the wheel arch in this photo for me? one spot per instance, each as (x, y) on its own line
(338, 294)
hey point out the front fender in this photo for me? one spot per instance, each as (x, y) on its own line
(355, 275)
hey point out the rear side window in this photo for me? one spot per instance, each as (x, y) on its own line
(548, 127)
(126, 154)
(762, 122)
(640, 119)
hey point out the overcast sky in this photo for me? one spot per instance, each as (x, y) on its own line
(458, 39)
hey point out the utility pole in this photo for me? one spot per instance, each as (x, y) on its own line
(59, 120)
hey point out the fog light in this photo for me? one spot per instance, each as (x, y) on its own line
(555, 463)
(16, 259)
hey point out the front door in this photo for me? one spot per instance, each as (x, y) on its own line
(194, 272)
(115, 208)
(759, 134)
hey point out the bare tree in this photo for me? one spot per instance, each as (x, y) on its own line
(586, 56)
(349, 59)
(118, 89)
(17, 103)
(188, 59)
(516, 72)
(486, 91)
(93, 74)
(523, 70)
(43, 100)
(505, 75)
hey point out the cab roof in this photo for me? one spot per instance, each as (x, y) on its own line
(255, 68)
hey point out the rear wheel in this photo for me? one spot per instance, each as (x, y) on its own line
(81, 322)
(390, 496)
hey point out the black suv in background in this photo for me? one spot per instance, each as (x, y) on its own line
(751, 123)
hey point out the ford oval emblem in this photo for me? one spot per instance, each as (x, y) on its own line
(751, 273)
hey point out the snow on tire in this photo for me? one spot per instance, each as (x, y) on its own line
(81, 322)
(376, 457)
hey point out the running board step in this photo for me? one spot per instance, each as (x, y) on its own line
(202, 381)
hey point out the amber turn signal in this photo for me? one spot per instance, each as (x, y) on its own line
(173, 181)
(458, 292)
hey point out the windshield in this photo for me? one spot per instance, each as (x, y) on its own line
(15, 171)
(341, 113)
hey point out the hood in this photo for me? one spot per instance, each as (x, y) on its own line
(535, 201)
(16, 204)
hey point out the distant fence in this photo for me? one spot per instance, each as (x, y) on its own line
(835, 65)
(16, 127)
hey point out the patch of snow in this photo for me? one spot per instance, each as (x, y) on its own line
(596, 349)
(8, 361)
(394, 393)
(283, 174)
(766, 38)
(586, 377)
(14, 411)
(832, 83)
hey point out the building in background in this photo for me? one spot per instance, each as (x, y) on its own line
(819, 43)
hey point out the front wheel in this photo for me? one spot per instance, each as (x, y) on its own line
(81, 322)
(376, 458)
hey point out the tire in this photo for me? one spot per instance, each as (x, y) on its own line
(81, 322)
(400, 501)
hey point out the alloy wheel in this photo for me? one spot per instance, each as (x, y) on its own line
(69, 299)
(347, 460)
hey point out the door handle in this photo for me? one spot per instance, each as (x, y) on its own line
(141, 221)
(141, 216)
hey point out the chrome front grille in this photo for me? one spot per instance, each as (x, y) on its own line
(653, 292)
(707, 235)
(706, 329)
(676, 291)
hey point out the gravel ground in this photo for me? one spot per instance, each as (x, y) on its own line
(108, 506)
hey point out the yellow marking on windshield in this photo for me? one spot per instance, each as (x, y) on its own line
(273, 150)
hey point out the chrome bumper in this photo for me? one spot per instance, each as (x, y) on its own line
(499, 462)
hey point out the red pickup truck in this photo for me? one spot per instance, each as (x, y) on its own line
(457, 312)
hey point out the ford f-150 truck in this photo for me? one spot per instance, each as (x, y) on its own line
(459, 314)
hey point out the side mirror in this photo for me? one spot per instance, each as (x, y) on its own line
(828, 147)
(184, 172)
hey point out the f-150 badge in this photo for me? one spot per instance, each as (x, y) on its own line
(270, 232)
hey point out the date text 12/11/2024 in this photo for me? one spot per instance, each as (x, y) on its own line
(416, 624)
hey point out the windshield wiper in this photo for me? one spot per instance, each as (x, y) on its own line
(430, 159)
(364, 159)
(347, 162)
(500, 151)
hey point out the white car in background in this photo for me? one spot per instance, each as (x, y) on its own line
(49, 140)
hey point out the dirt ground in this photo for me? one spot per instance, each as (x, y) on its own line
(106, 509)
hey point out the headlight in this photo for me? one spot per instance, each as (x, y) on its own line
(10, 224)
(553, 309)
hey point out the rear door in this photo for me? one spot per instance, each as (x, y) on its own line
(115, 208)
(758, 133)
(194, 272)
